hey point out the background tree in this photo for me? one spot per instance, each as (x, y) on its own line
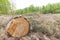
(5, 7)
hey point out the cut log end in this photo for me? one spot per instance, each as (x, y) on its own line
(18, 27)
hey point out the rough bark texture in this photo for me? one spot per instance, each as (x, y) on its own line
(43, 27)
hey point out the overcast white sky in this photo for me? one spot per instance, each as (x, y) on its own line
(20, 4)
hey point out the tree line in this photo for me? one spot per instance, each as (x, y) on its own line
(50, 8)
(5, 8)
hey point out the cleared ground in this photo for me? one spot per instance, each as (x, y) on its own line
(42, 27)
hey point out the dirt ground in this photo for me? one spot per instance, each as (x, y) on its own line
(43, 27)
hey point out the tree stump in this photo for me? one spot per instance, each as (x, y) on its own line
(18, 27)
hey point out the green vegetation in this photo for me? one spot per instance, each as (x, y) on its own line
(50, 8)
(5, 7)
(27, 10)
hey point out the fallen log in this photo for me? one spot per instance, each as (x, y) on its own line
(18, 26)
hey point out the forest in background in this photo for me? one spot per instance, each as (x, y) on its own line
(5, 8)
(50, 8)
